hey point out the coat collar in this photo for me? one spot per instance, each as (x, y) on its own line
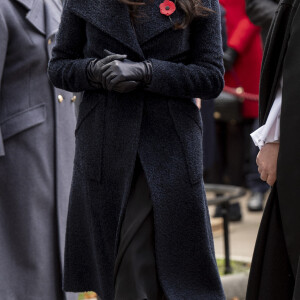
(153, 22)
(53, 9)
(112, 17)
(35, 14)
(26, 3)
(44, 15)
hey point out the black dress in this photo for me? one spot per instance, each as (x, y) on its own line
(135, 268)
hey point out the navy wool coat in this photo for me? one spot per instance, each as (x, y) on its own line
(160, 124)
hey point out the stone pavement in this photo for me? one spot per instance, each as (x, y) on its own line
(242, 241)
(242, 234)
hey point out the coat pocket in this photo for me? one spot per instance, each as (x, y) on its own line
(188, 124)
(90, 137)
(23, 120)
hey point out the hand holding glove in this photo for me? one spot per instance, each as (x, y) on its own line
(115, 72)
(94, 72)
(230, 57)
(125, 75)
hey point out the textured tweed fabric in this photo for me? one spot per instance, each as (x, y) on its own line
(160, 124)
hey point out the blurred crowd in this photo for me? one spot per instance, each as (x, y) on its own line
(229, 152)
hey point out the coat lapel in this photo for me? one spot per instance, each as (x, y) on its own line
(153, 23)
(35, 14)
(112, 17)
(53, 10)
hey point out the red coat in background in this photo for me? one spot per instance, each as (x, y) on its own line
(243, 37)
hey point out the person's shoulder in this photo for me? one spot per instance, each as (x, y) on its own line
(7, 7)
(4, 6)
(211, 4)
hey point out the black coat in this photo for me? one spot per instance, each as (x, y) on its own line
(160, 124)
(281, 59)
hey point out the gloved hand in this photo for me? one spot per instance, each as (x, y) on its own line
(94, 72)
(126, 75)
(126, 86)
(229, 58)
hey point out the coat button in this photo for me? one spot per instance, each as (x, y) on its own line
(49, 42)
(73, 99)
(60, 98)
(217, 115)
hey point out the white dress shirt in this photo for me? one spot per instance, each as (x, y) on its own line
(270, 132)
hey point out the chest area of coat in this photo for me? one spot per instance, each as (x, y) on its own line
(152, 32)
(24, 38)
(169, 45)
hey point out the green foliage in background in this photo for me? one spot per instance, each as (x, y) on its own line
(237, 266)
(81, 296)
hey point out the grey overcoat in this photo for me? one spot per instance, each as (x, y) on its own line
(37, 125)
(160, 124)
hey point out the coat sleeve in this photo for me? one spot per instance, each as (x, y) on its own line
(67, 67)
(243, 35)
(203, 76)
(3, 50)
(261, 12)
(223, 28)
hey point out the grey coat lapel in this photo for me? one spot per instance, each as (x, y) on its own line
(35, 14)
(53, 10)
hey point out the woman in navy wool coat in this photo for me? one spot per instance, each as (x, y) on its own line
(138, 225)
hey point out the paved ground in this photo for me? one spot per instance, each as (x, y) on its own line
(242, 241)
(242, 234)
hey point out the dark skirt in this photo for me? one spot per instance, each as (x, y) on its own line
(271, 275)
(135, 267)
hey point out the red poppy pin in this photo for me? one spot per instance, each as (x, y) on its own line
(167, 8)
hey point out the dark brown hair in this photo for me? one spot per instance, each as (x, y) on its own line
(191, 8)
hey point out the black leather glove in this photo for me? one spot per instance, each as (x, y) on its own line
(230, 57)
(126, 86)
(94, 72)
(126, 75)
